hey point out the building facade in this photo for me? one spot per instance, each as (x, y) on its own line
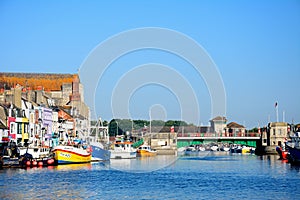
(218, 125)
(32, 102)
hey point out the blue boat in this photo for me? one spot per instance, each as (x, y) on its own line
(99, 153)
(294, 148)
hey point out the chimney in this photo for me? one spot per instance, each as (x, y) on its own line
(17, 94)
(39, 95)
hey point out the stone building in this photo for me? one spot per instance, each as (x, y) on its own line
(218, 125)
(278, 132)
(234, 129)
(275, 134)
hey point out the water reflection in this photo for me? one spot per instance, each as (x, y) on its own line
(279, 166)
(143, 164)
(68, 167)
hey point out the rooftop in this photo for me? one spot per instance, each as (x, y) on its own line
(33, 81)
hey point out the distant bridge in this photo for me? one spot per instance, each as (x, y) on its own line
(186, 139)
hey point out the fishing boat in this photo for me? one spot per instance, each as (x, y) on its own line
(145, 150)
(99, 142)
(36, 151)
(99, 153)
(294, 148)
(14, 157)
(122, 148)
(71, 154)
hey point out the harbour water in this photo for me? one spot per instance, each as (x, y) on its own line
(210, 176)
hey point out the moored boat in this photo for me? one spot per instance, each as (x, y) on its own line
(13, 157)
(235, 148)
(246, 150)
(99, 153)
(71, 154)
(283, 153)
(145, 150)
(122, 148)
(294, 148)
(37, 152)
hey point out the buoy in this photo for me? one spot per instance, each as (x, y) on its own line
(50, 161)
(89, 149)
(40, 163)
(28, 163)
(34, 163)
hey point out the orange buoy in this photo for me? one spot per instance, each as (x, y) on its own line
(89, 149)
(28, 163)
(50, 161)
(40, 163)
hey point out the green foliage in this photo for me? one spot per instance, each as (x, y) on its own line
(121, 126)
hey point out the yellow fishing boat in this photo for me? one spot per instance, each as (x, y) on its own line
(145, 150)
(71, 154)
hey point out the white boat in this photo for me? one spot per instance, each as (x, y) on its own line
(35, 151)
(202, 148)
(214, 148)
(122, 148)
(226, 148)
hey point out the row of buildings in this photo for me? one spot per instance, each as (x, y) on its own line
(38, 107)
(272, 135)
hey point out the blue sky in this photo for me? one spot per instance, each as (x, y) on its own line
(254, 44)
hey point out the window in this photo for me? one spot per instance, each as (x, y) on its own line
(26, 128)
(274, 131)
(19, 128)
(12, 128)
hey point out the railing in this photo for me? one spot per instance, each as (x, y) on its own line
(218, 135)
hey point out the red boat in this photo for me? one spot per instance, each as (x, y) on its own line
(283, 153)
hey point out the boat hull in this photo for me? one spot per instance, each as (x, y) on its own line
(122, 155)
(69, 155)
(99, 153)
(145, 153)
(283, 154)
(294, 155)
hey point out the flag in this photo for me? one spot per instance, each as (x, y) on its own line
(172, 129)
(276, 104)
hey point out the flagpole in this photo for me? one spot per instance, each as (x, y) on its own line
(276, 106)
